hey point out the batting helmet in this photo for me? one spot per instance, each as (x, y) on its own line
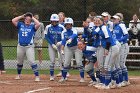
(54, 17)
(68, 21)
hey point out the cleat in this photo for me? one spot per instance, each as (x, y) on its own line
(59, 74)
(92, 84)
(51, 78)
(3, 71)
(17, 77)
(90, 81)
(98, 85)
(62, 80)
(37, 79)
(68, 74)
(82, 80)
(104, 87)
(125, 83)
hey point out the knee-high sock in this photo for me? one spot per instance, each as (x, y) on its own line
(35, 69)
(107, 78)
(125, 74)
(91, 74)
(19, 68)
(64, 72)
(81, 69)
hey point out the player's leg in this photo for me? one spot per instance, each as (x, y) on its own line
(117, 72)
(20, 59)
(38, 44)
(78, 58)
(60, 60)
(90, 71)
(30, 53)
(100, 59)
(109, 63)
(68, 56)
(123, 66)
(52, 54)
(1, 60)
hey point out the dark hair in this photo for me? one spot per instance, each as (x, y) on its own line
(93, 13)
(28, 14)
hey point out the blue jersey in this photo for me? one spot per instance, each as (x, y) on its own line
(53, 33)
(66, 35)
(104, 35)
(120, 33)
(25, 33)
(89, 54)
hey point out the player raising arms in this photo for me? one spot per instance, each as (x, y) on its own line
(26, 31)
(53, 36)
(69, 48)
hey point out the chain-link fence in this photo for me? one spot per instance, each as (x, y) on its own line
(77, 9)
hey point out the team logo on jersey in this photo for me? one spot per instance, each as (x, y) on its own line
(116, 31)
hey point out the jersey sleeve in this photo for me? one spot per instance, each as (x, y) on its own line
(63, 38)
(105, 31)
(19, 24)
(46, 32)
(74, 34)
(124, 30)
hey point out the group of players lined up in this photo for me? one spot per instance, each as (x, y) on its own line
(104, 42)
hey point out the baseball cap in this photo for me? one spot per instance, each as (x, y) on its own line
(105, 14)
(116, 17)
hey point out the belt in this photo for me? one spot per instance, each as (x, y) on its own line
(25, 44)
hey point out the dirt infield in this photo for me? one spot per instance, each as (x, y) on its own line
(28, 85)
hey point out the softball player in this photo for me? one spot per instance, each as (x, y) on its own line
(107, 22)
(61, 18)
(111, 51)
(38, 39)
(26, 31)
(90, 58)
(121, 35)
(53, 36)
(69, 46)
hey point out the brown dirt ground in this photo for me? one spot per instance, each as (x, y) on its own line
(28, 85)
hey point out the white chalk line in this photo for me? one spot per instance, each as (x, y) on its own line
(135, 78)
(37, 90)
(6, 82)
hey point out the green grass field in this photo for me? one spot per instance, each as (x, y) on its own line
(10, 53)
(75, 72)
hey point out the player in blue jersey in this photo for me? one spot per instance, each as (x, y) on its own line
(121, 34)
(69, 48)
(53, 36)
(89, 53)
(106, 17)
(26, 32)
(111, 50)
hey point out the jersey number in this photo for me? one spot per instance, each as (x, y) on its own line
(24, 33)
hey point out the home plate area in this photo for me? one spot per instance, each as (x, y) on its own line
(27, 85)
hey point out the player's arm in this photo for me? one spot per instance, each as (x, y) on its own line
(42, 30)
(125, 33)
(37, 23)
(16, 19)
(46, 32)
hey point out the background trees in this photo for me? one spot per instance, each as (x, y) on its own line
(77, 9)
